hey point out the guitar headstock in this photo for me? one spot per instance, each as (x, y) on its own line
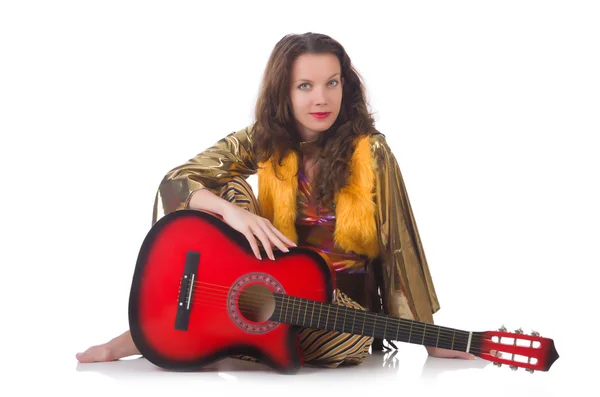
(518, 350)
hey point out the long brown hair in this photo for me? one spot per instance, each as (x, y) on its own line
(275, 131)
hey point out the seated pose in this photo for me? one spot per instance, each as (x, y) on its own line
(326, 179)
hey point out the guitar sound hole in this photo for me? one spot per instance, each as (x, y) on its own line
(256, 303)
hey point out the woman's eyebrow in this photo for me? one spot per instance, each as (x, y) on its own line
(310, 81)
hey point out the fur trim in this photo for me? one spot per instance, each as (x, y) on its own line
(277, 198)
(355, 227)
(355, 209)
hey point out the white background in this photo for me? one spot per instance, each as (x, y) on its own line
(491, 108)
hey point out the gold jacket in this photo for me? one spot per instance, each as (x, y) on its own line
(373, 214)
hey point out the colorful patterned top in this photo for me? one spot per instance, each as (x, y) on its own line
(315, 226)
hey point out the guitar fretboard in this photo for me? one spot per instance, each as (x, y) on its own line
(313, 314)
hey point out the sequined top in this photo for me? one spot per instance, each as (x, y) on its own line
(315, 226)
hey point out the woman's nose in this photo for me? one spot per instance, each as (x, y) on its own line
(319, 96)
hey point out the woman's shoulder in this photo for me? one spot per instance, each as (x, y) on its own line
(244, 132)
(380, 150)
(377, 138)
(242, 137)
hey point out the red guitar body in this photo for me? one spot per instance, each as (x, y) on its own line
(213, 326)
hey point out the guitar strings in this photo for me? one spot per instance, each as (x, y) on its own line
(476, 337)
(374, 317)
(366, 315)
(444, 334)
(475, 349)
(222, 306)
(220, 303)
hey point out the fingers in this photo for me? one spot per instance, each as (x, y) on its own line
(253, 243)
(257, 230)
(269, 236)
(273, 235)
(281, 236)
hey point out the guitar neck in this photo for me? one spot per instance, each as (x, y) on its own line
(313, 314)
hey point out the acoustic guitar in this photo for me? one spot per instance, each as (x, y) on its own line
(199, 295)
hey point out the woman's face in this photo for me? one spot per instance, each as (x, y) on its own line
(316, 88)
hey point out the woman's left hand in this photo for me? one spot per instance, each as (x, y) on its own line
(447, 353)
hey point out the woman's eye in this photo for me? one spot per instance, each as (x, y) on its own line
(332, 81)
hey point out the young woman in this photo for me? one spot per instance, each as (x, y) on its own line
(327, 179)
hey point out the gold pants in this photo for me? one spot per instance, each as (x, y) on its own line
(320, 347)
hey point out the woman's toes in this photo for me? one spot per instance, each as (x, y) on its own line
(95, 354)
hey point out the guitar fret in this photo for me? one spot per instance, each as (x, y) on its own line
(320, 311)
(298, 316)
(286, 310)
(280, 307)
(438, 337)
(327, 318)
(469, 344)
(353, 321)
(364, 320)
(335, 319)
(374, 325)
(398, 330)
(424, 329)
(410, 332)
(344, 324)
(305, 308)
(385, 327)
(453, 335)
(312, 313)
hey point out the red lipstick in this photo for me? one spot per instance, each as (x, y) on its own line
(321, 115)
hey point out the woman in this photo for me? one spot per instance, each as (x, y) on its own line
(327, 179)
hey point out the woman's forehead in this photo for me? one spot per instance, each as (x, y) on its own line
(315, 67)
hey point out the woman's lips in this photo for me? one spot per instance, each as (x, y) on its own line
(321, 115)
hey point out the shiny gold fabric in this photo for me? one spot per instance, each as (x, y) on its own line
(406, 272)
(402, 268)
(211, 169)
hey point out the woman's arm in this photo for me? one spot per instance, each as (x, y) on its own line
(211, 169)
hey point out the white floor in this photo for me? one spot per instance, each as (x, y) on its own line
(410, 370)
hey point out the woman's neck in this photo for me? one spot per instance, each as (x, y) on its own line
(307, 147)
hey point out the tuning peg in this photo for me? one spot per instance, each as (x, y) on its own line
(502, 329)
(535, 333)
(519, 331)
(498, 364)
(513, 367)
(529, 370)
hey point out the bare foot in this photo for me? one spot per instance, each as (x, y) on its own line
(118, 347)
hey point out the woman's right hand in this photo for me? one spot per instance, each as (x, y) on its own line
(251, 225)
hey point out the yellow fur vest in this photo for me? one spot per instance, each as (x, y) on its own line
(355, 228)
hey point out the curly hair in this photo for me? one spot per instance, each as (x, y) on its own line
(275, 131)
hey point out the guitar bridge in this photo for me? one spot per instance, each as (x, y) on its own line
(186, 292)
